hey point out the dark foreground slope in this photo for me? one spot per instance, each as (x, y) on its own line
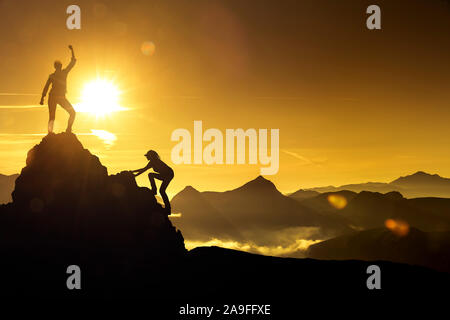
(235, 274)
(296, 287)
(67, 210)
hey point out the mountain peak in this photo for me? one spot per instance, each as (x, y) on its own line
(302, 194)
(423, 174)
(258, 184)
(189, 190)
(261, 179)
(420, 178)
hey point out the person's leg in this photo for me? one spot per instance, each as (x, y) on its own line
(151, 177)
(51, 113)
(68, 107)
(162, 192)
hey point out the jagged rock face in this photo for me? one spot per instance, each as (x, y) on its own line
(59, 172)
(65, 206)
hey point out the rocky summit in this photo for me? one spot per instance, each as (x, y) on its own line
(67, 210)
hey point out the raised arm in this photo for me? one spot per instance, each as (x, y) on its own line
(44, 92)
(72, 60)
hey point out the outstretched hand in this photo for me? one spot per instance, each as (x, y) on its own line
(133, 172)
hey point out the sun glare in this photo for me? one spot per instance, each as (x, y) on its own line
(100, 97)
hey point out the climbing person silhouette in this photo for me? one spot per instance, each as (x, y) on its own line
(57, 95)
(162, 172)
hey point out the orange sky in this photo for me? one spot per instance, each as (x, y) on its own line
(352, 105)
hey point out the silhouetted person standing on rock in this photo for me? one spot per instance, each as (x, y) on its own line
(162, 172)
(57, 95)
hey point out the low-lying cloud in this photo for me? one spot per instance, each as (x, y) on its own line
(288, 242)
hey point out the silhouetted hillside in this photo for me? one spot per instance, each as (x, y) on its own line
(286, 282)
(67, 210)
(369, 210)
(416, 247)
(438, 207)
(321, 202)
(6, 187)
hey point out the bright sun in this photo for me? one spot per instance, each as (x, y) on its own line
(99, 97)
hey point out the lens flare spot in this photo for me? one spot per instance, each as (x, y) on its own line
(337, 201)
(148, 48)
(398, 227)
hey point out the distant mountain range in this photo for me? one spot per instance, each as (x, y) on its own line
(258, 213)
(6, 187)
(419, 184)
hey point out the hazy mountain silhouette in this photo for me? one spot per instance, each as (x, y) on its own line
(6, 187)
(67, 210)
(380, 187)
(257, 205)
(303, 194)
(419, 184)
(417, 248)
(421, 178)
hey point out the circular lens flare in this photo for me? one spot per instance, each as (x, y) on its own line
(397, 227)
(337, 201)
(148, 48)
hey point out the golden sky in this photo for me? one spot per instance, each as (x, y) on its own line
(352, 105)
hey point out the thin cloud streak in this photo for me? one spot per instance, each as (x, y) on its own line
(22, 134)
(279, 98)
(12, 142)
(18, 94)
(31, 106)
(304, 159)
